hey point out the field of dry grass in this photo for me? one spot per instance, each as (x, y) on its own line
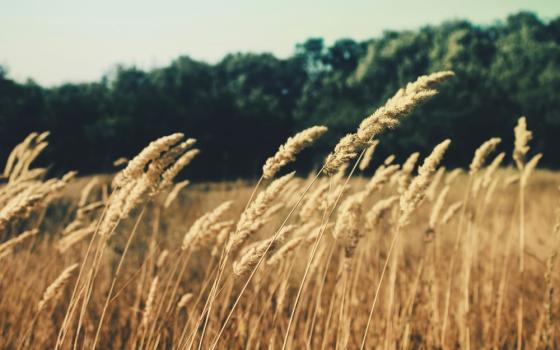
(413, 257)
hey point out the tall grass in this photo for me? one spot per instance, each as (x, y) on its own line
(411, 257)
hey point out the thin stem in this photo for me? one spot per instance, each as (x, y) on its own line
(225, 255)
(319, 294)
(272, 240)
(117, 271)
(521, 262)
(73, 302)
(342, 303)
(452, 263)
(385, 264)
(314, 250)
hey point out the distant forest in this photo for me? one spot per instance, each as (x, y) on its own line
(243, 107)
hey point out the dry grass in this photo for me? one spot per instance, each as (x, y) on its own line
(404, 259)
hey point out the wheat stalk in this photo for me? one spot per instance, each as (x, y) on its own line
(205, 228)
(54, 288)
(251, 219)
(436, 209)
(137, 165)
(482, 153)
(288, 151)
(368, 155)
(348, 224)
(451, 211)
(376, 212)
(522, 138)
(249, 259)
(11, 243)
(406, 171)
(184, 300)
(389, 160)
(175, 192)
(415, 192)
(386, 117)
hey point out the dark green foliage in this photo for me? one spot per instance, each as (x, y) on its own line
(242, 108)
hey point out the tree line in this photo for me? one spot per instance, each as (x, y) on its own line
(243, 107)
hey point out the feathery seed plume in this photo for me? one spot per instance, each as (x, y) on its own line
(368, 155)
(482, 153)
(381, 177)
(452, 175)
(204, 228)
(314, 234)
(175, 192)
(225, 229)
(401, 104)
(490, 191)
(522, 138)
(252, 255)
(120, 162)
(84, 194)
(31, 198)
(162, 258)
(451, 210)
(330, 199)
(491, 169)
(17, 240)
(376, 212)
(184, 300)
(528, 170)
(284, 251)
(147, 174)
(250, 220)
(287, 152)
(431, 191)
(389, 160)
(54, 288)
(181, 163)
(438, 205)
(510, 180)
(412, 197)
(137, 165)
(386, 117)
(17, 152)
(406, 171)
(148, 308)
(348, 224)
(313, 202)
(74, 237)
(346, 150)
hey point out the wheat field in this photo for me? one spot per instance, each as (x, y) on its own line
(416, 256)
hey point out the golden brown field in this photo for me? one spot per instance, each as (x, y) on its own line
(413, 257)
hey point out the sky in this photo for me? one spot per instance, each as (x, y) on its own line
(59, 41)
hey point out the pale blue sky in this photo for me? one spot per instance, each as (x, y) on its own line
(54, 41)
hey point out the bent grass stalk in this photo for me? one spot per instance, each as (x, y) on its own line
(222, 264)
(274, 237)
(452, 262)
(378, 288)
(156, 326)
(315, 246)
(116, 275)
(285, 154)
(319, 295)
(75, 294)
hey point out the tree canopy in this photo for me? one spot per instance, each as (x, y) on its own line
(243, 107)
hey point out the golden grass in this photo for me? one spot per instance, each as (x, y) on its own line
(407, 258)
(420, 283)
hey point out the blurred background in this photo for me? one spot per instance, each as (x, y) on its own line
(107, 77)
